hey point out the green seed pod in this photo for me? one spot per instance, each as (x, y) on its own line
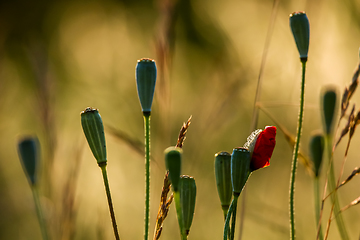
(300, 27)
(173, 165)
(240, 168)
(145, 74)
(94, 132)
(28, 149)
(187, 188)
(223, 178)
(316, 152)
(329, 108)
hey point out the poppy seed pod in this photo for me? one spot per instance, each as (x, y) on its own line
(240, 169)
(316, 152)
(94, 132)
(145, 74)
(28, 149)
(223, 178)
(187, 188)
(173, 165)
(300, 27)
(329, 108)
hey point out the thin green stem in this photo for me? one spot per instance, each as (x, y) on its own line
(317, 206)
(233, 221)
(295, 153)
(179, 215)
(227, 220)
(108, 194)
(147, 173)
(39, 213)
(331, 187)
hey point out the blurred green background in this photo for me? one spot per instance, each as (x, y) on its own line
(59, 57)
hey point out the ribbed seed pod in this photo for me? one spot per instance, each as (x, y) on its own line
(300, 27)
(240, 168)
(145, 74)
(223, 178)
(329, 108)
(94, 132)
(28, 149)
(173, 165)
(187, 190)
(316, 152)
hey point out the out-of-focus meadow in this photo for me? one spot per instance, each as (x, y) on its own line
(59, 57)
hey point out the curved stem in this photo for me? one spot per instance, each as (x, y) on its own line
(317, 206)
(39, 213)
(295, 153)
(227, 220)
(233, 221)
(147, 173)
(112, 214)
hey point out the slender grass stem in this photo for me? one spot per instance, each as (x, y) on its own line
(179, 215)
(107, 188)
(331, 187)
(39, 213)
(295, 153)
(317, 206)
(147, 173)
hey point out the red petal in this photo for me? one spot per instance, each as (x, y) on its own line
(264, 148)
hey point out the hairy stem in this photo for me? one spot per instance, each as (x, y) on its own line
(295, 153)
(112, 214)
(147, 174)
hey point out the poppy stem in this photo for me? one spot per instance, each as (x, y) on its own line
(227, 221)
(296, 151)
(111, 208)
(41, 219)
(233, 221)
(332, 189)
(147, 172)
(179, 215)
(317, 206)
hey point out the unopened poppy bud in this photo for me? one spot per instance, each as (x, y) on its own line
(28, 149)
(145, 74)
(261, 144)
(240, 168)
(316, 152)
(187, 188)
(173, 165)
(300, 27)
(223, 178)
(94, 132)
(329, 109)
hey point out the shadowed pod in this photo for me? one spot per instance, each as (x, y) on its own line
(29, 154)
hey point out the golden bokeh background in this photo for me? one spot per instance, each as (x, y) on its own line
(59, 57)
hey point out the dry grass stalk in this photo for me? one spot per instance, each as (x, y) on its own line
(164, 207)
(182, 133)
(355, 172)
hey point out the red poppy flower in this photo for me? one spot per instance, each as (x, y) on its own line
(261, 145)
